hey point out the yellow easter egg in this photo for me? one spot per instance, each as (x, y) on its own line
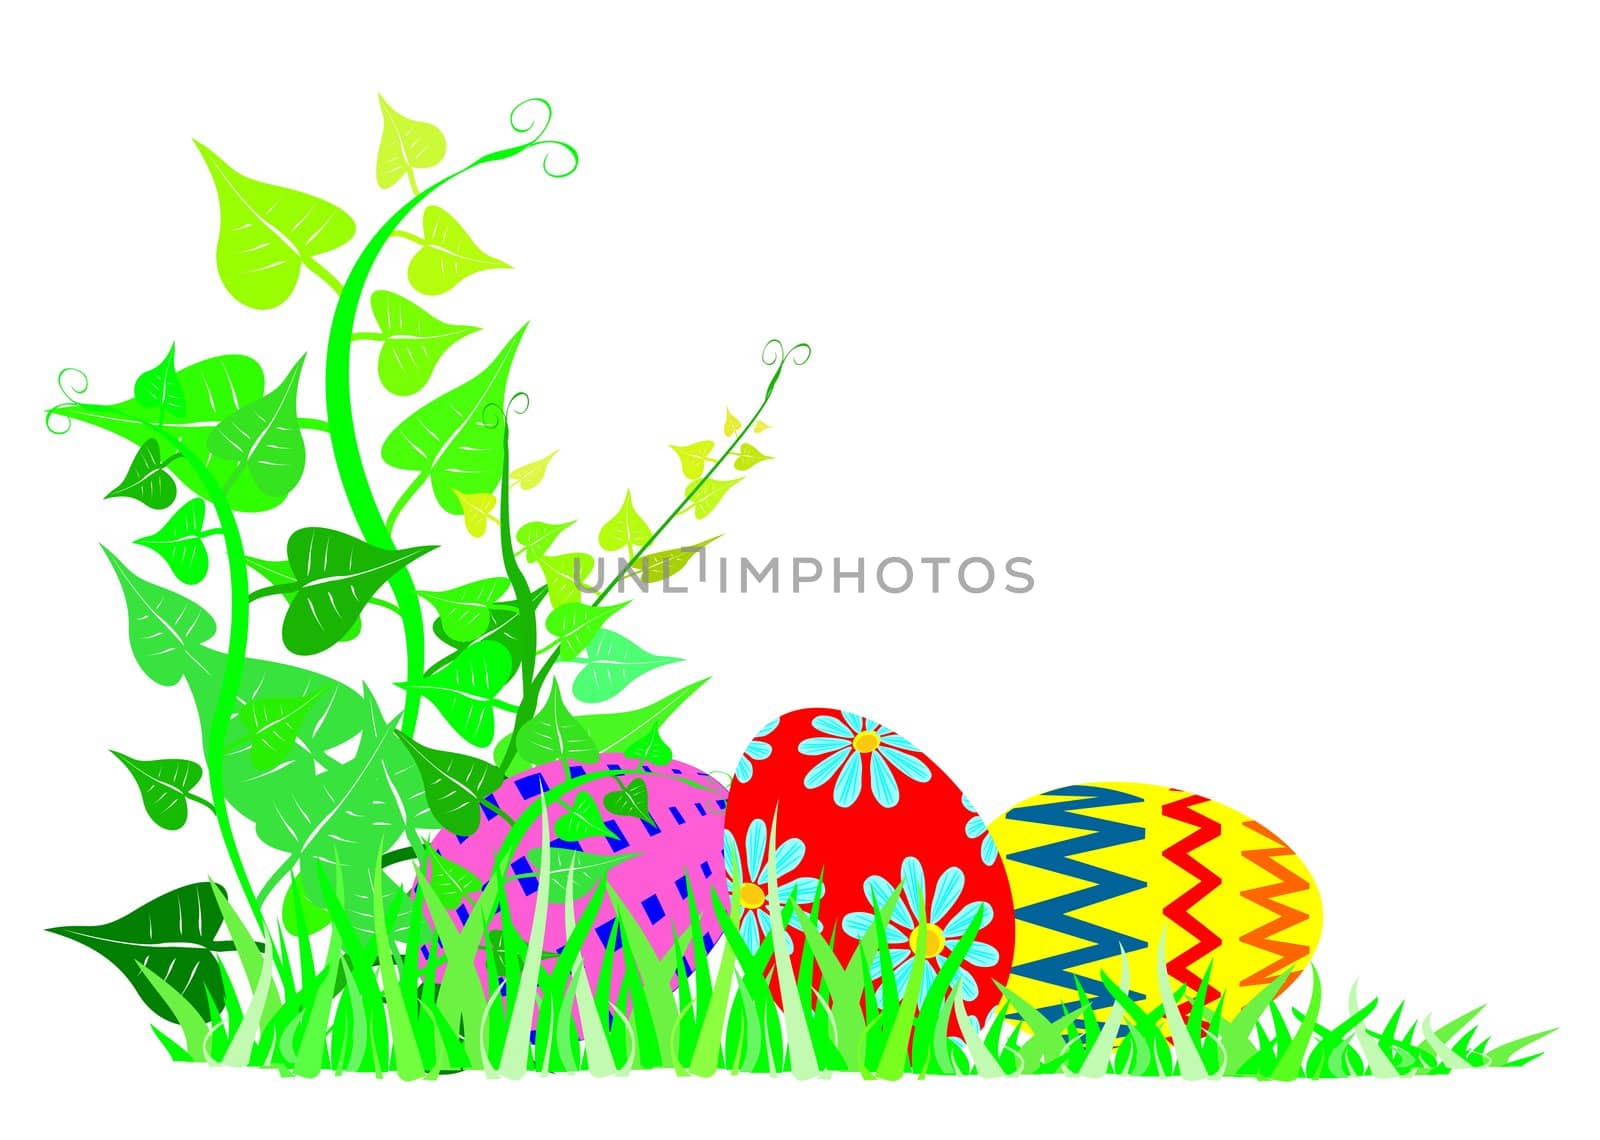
(1099, 870)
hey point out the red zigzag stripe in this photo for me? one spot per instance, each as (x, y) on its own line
(1179, 911)
(1286, 883)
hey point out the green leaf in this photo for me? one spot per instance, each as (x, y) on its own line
(530, 475)
(563, 573)
(611, 665)
(262, 442)
(179, 543)
(625, 528)
(300, 914)
(164, 628)
(650, 748)
(147, 481)
(447, 257)
(632, 799)
(335, 577)
(575, 624)
(406, 147)
(656, 565)
(158, 387)
(581, 820)
(452, 881)
(174, 936)
(465, 687)
(450, 439)
(535, 537)
(163, 785)
(748, 457)
(694, 457)
(570, 875)
(621, 731)
(413, 342)
(730, 422)
(280, 574)
(267, 233)
(554, 734)
(705, 498)
(465, 612)
(270, 726)
(455, 785)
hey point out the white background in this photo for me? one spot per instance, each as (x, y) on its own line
(1266, 330)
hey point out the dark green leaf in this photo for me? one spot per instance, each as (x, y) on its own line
(632, 799)
(582, 820)
(147, 480)
(179, 543)
(611, 664)
(280, 574)
(174, 936)
(262, 442)
(464, 689)
(158, 388)
(413, 342)
(554, 734)
(454, 783)
(162, 785)
(164, 629)
(335, 576)
(576, 624)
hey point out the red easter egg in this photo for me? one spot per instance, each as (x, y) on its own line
(855, 818)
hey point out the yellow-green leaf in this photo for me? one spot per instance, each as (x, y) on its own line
(535, 537)
(562, 573)
(625, 528)
(447, 257)
(407, 146)
(658, 564)
(530, 475)
(694, 457)
(730, 422)
(476, 512)
(705, 498)
(748, 457)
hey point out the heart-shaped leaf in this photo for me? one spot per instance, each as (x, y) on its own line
(465, 612)
(563, 574)
(270, 726)
(749, 455)
(464, 689)
(625, 528)
(451, 440)
(730, 422)
(280, 574)
(535, 537)
(554, 734)
(707, 495)
(455, 785)
(693, 457)
(262, 442)
(576, 624)
(632, 799)
(447, 257)
(300, 914)
(163, 786)
(267, 233)
(179, 543)
(173, 936)
(335, 576)
(657, 565)
(570, 875)
(625, 731)
(158, 388)
(530, 475)
(147, 480)
(452, 881)
(611, 664)
(406, 147)
(582, 820)
(164, 629)
(413, 342)
(477, 511)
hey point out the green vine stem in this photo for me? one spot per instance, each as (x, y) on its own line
(375, 529)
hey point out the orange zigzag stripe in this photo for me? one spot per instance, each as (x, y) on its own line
(1286, 883)
(1181, 909)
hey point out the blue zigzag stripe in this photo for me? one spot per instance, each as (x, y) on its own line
(1057, 913)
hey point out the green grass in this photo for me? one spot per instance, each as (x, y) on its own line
(342, 1004)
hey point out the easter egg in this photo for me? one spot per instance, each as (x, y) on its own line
(666, 863)
(853, 819)
(1099, 870)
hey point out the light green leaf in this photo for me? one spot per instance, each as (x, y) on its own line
(270, 725)
(413, 342)
(570, 875)
(554, 734)
(267, 233)
(407, 146)
(563, 574)
(530, 475)
(581, 820)
(452, 881)
(465, 687)
(335, 577)
(705, 499)
(621, 731)
(611, 665)
(262, 441)
(164, 629)
(576, 624)
(450, 439)
(625, 529)
(694, 457)
(447, 256)
(163, 786)
(300, 914)
(158, 387)
(147, 481)
(466, 611)
(535, 537)
(455, 785)
(179, 543)
(748, 456)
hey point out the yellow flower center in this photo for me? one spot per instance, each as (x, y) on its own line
(752, 897)
(927, 940)
(865, 741)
